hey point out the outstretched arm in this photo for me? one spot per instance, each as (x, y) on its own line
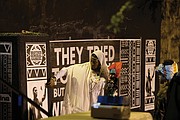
(61, 74)
(153, 73)
(44, 96)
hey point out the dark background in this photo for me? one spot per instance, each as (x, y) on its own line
(78, 19)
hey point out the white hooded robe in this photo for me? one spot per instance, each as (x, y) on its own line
(83, 85)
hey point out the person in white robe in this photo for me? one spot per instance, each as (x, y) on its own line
(85, 82)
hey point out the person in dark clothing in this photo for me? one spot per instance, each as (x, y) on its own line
(111, 87)
(148, 83)
(166, 72)
(36, 114)
(173, 99)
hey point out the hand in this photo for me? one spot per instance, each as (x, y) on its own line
(51, 83)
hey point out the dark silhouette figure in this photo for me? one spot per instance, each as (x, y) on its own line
(148, 83)
(111, 87)
(35, 112)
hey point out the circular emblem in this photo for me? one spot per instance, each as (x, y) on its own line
(36, 54)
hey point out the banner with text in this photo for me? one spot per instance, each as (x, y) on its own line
(64, 53)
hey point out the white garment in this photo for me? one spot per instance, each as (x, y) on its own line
(83, 86)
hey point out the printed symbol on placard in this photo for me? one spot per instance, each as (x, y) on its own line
(5, 98)
(6, 48)
(36, 54)
(149, 100)
(36, 73)
(150, 47)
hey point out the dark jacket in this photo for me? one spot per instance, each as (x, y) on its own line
(173, 99)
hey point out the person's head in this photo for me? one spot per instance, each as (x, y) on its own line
(168, 62)
(35, 91)
(98, 63)
(95, 64)
(168, 68)
(112, 73)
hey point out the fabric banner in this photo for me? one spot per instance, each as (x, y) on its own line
(36, 74)
(150, 56)
(64, 53)
(6, 74)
